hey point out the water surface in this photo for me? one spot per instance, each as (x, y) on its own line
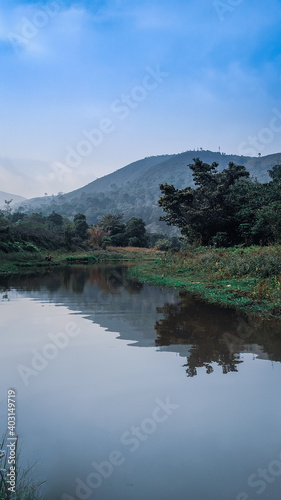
(135, 392)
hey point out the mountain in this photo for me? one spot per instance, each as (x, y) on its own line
(134, 189)
(8, 196)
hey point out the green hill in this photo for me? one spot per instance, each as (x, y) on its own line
(134, 189)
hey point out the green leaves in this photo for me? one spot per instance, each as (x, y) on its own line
(226, 208)
(133, 233)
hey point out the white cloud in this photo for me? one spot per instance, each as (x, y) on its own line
(35, 29)
(70, 71)
(154, 17)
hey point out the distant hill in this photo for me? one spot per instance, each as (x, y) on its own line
(8, 196)
(134, 189)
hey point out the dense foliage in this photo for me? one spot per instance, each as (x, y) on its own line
(225, 208)
(133, 233)
(19, 231)
(29, 233)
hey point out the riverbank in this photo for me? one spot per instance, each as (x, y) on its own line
(246, 279)
(22, 263)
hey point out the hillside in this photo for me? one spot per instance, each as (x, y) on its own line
(8, 196)
(134, 189)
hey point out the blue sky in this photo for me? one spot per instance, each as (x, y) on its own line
(89, 86)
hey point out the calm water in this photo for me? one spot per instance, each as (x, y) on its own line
(130, 392)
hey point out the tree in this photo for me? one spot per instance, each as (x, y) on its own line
(115, 226)
(55, 219)
(267, 228)
(275, 173)
(247, 198)
(135, 232)
(80, 226)
(97, 235)
(163, 245)
(18, 216)
(208, 209)
(176, 202)
(68, 232)
(113, 223)
(8, 207)
(132, 233)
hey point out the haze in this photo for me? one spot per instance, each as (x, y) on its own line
(116, 81)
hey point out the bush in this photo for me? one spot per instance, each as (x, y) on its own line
(163, 245)
(134, 242)
(221, 239)
(29, 247)
(106, 242)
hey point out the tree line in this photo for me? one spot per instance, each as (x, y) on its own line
(225, 208)
(31, 232)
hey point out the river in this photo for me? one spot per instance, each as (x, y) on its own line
(127, 391)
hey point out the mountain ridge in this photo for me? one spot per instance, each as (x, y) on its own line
(117, 175)
(8, 196)
(134, 189)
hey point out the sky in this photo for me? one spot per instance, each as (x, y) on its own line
(88, 87)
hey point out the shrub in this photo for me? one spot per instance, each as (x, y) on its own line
(163, 245)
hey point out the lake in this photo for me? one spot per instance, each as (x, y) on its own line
(131, 392)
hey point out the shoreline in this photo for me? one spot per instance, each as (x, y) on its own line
(245, 279)
(24, 264)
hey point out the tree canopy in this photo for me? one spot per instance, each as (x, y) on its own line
(133, 233)
(225, 208)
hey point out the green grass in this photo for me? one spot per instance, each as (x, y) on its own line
(247, 279)
(23, 263)
(19, 263)
(26, 488)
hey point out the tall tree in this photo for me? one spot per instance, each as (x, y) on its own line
(135, 232)
(203, 212)
(80, 226)
(115, 226)
(113, 223)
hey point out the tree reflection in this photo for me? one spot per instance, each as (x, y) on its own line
(215, 335)
(109, 279)
(206, 335)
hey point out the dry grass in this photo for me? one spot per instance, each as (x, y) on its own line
(134, 249)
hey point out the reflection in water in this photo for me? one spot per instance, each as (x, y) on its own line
(103, 294)
(216, 335)
(205, 334)
(96, 389)
(74, 278)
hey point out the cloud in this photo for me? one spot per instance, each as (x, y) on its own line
(37, 28)
(63, 77)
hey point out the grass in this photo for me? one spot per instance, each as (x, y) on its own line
(23, 262)
(245, 278)
(26, 488)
